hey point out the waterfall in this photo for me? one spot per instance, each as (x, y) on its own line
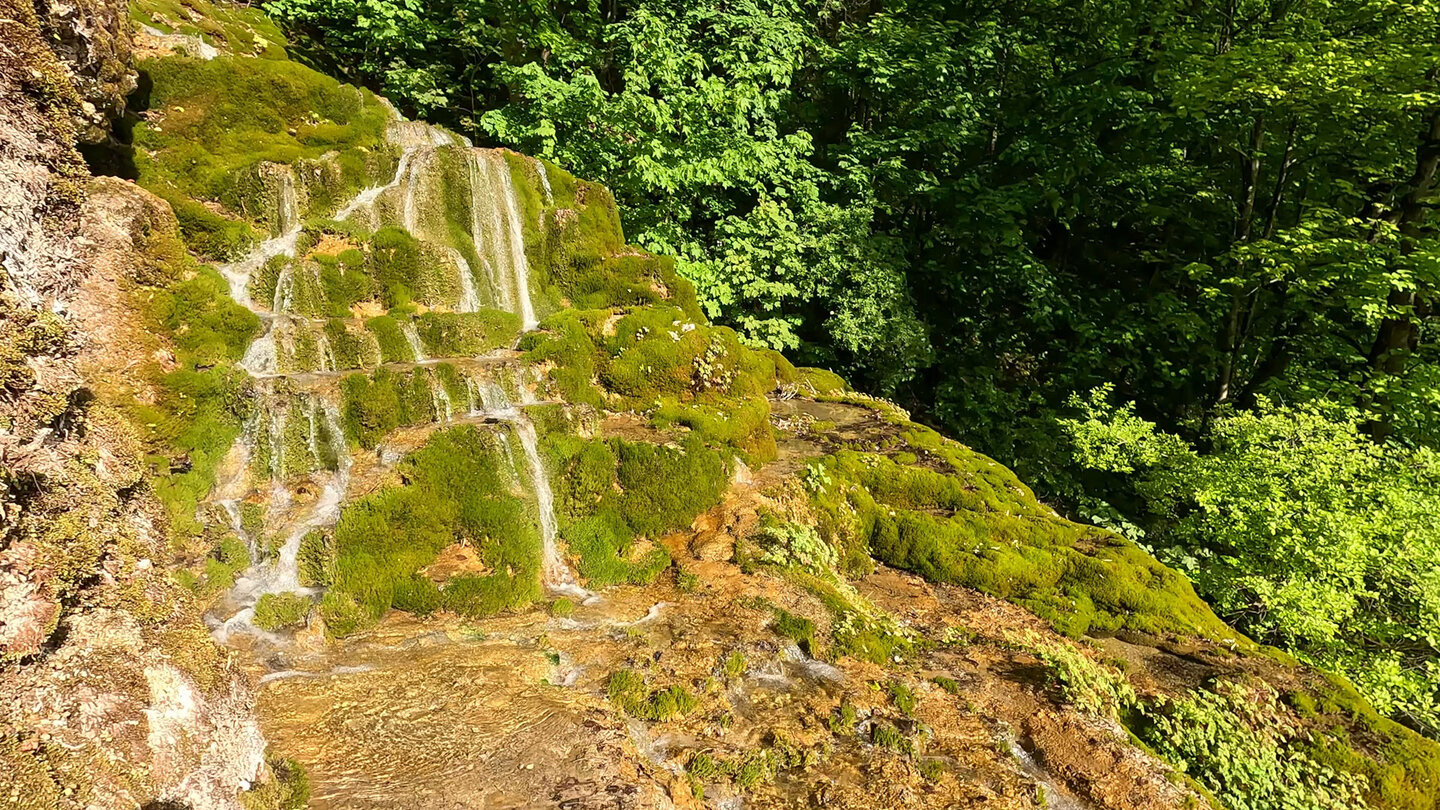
(544, 181)
(469, 296)
(366, 199)
(555, 571)
(440, 400)
(324, 350)
(519, 265)
(237, 274)
(407, 207)
(284, 576)
(412, 337)
(485, 230)
(497, 233)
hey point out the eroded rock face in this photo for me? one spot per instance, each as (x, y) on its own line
(93, 40)
(112, 694)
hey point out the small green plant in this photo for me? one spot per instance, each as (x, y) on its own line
(1078, 680)
(931, 769)
(796, 628)
(562, 608)
(948, 684)
(903, 697)
(686, 581)
(843, 719)
(626, 688)
(735, 664)
(885, 735)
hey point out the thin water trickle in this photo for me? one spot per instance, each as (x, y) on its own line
(555, 571)
(469, 295)
(412, 337)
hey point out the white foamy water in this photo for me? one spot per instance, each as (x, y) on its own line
(555, 571)
(498, 235)
(469, 295)
(412, 337)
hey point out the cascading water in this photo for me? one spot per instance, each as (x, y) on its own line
(545, 181)
(469, 295)
(498, 241)
(555, 571)
(498, 235)
(412, 337)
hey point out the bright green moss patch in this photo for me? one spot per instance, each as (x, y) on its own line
(275, 611)
(458, 488)
(627, 689)
(743, 424)
(466, 334)
(609, 493)
(980, 528)
(377, 404)
(350, 345)
(238, 29)
(216, 122)
(394, 348)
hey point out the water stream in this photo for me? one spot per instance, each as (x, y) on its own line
(498, 241)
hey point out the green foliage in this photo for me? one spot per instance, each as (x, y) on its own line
(1236, 743)
(1080, 681)
(562, 608)
(275, 611)
(1302, 529)
(456, 488)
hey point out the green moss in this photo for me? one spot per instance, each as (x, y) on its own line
(735, 664)
(376, 404)
(627, 689)
(608, 493)
(351, 347)
(885, 735)
(664, 489)
(394, 348)
(216, 122)
(743, 425)
(467, 334)
(948, 684)
(902, 696)
(979, 527)
(316, 560)
(457, 488)
(275, 611)
(238, 29)
(562, 608)
(796, 628)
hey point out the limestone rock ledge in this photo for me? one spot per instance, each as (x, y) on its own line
(112, 693)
